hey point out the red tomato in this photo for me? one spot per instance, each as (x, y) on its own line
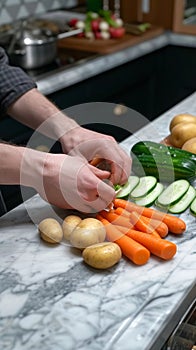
(117, 32)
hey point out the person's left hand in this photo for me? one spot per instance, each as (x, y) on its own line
(89, 144)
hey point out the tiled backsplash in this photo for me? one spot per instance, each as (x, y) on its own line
(11, 10)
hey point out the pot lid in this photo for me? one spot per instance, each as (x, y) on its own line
(32, 32)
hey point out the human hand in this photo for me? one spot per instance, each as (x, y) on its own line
(89, 144)
(66, 181)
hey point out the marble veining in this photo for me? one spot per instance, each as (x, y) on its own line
(49, 299)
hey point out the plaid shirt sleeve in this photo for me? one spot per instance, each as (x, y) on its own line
(14, 82)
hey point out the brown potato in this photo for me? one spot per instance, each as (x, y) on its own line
(182, 132)
(190, 145)
(102, 255)
(182, 118)
(50, 230)
(89, 231)
(69, 224)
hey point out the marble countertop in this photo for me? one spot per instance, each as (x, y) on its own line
(97, 64)
(49, 299)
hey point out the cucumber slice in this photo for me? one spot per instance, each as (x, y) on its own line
(193, 207)
(145, 185)
(184, 202)
(123, 191)
(150, 198)
(173, 193)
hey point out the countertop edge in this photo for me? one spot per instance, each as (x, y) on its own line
(98, 64)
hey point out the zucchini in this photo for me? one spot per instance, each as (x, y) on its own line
(193, 207)
(153, 148)
(124, 191)
(164, 168)
(146, 184)
(184, 202)
(173, 193)
(150, 198)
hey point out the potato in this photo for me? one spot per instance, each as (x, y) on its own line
(182, 132)
(69, 224)
(182, 118)
(50, 230)
(190, 145)
(102, 255)
(89, 231)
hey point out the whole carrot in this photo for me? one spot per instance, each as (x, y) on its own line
(140, 224)
(134, 251)
(116, 219)
(158, 225)
(160, 247)
(121, 211)
(174, 224)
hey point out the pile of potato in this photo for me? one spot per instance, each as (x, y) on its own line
(183, 132)
(87, 234)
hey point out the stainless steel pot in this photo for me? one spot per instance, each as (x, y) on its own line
(32, 48)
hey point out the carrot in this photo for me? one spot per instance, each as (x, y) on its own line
(96, 161)
(121, 211)
(140, 224)
(158, 225)
(134, 251)
(174, 224)
(116, 219)
(160, 247)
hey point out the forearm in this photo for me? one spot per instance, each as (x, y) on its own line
(16, 165)
(36, 111)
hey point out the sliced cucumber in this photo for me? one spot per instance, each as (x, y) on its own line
(123, 191)
(193, 207)
(145, 185)
(150, 198)
(173, 193)
(184, 202)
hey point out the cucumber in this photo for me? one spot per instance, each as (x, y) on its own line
(152, 148)
(124, 191)
(150, 198)
(167, 163)
(184, 202)
(164, 168)
(173, 193)
(146, 184)
(193, 207)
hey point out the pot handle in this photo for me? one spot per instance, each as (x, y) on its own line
(69, 33)
(15, 38)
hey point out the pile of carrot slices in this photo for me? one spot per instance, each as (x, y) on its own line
(141, 231)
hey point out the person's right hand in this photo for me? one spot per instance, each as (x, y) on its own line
(66, 181)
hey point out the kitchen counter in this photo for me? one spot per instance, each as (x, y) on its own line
(96, 64)
(49, 299)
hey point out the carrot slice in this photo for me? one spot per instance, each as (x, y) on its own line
(174, 224)
(160, 247)
(134, 251)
